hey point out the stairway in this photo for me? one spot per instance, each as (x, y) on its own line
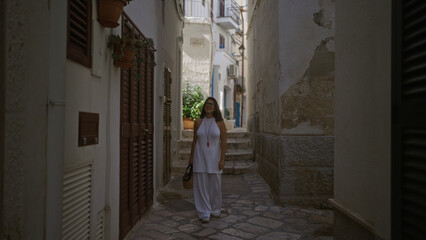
(238, 158)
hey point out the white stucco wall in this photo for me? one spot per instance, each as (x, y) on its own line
(363, 111)
(34, 76)
(96, 90)
(197, 60)
(223, 59)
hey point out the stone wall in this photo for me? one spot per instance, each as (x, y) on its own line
(291, 92)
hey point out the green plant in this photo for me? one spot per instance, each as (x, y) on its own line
(227, 114)
(126, 40)
(193, 101)
(240, 88)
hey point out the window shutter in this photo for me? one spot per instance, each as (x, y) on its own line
(136, 140)
(409, 120)
(166, 127)
(79, 31)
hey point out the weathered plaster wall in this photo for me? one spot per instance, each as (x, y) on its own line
(291, 116)
(363, 113)
(264, 41)
(197, 60)
(29, 58)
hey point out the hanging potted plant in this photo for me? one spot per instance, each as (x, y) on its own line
(193, 100)
(239, 89)
(110, 11)
(124, 49)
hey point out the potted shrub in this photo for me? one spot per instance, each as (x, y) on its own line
(239, 89)
(193, 100)
(124, 49)
(110, 11)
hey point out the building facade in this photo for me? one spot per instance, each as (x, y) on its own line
(212, 36)
(86, 144)
(291, 96)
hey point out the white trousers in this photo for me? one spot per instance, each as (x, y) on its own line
(207, 193)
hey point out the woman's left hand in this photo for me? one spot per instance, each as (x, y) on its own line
(221, 164)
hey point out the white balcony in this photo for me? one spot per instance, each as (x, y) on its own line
(197, 8)
(228, 15)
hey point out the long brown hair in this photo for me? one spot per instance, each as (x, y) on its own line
(216, 113)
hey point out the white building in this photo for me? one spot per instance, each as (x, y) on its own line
(86, 143)
(211, 58)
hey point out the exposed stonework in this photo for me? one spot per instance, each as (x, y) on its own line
(304, 165)
(306, 169)
(324, 17)
(311, 99)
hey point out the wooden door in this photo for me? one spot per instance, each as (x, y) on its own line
(136, 134)
(167, 118)
(409, 120)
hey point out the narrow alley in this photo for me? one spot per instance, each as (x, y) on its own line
(248, 212)
(319, 123)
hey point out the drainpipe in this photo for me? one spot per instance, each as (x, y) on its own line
(242, 67)
(213, 82)
(55, 111)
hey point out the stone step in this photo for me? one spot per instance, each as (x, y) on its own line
(234, 133)
(231, 155)
(233, 143)
(231, 167)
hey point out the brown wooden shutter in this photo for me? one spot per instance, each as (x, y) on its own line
(79, 31)
(409, 120)
(136, 142)
(150, 124)
(167, 118)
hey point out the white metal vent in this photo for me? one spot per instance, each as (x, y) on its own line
(100, 226)
(233, 69)
(76, 202)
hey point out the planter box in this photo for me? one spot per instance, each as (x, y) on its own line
(188, 124)
(110, 11)
(128, 53)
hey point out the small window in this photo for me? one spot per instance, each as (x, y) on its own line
(221, 41)
(79, 31)
(204, 2)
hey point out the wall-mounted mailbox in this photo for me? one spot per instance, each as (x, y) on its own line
(88, 129)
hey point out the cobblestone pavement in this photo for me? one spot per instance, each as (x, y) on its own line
(248, 212)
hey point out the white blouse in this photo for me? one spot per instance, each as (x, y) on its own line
(207, 149)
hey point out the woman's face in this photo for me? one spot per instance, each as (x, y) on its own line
(209, 107)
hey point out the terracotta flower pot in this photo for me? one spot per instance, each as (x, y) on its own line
(127, 53)
(110, 11)
(188, 123)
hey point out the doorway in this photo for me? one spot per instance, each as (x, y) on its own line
(136, 133)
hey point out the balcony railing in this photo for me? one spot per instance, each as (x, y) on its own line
(230, 8)
(197, 8)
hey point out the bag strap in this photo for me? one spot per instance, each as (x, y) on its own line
(189, 168)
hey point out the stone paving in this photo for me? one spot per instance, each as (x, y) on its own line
(248, 212)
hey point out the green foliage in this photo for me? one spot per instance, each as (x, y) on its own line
(115, 41)
(240, 89)
(193, 100)
(227, 113)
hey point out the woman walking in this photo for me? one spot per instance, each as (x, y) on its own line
(208, 159)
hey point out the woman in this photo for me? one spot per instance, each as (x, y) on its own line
(208, 159)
